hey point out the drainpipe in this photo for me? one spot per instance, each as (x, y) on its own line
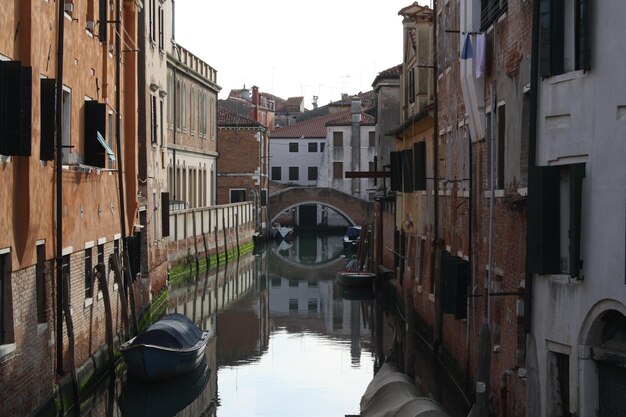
(436, 270)
(532, 149)
(59, 190)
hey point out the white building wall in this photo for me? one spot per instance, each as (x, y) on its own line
(582, 118)
(303, 159)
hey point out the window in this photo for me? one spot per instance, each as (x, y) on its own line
(183, 109)
(152, 20)
(161, 28)
(490, 10)
(276, 282)
(276, 173)
(102, 17)
(294, 173)
(40, 283)
(111, 137)
(67, 111)
(153, 120)
(554, 219)
(558, 364)
(100, 254)
(263, 198)
(407, 171)
(322, 144)
(293, 147)
(312, 146)
(411, 85)
(4, 277)
(501, 147)
(116, 248)
(293, 305)
(293, 283)
(88, 274)
(337, 170)
(48, 111)
(565, 41)
(192, 121)
(338, 139)
(165, 214)
(396, 171)
(312, 173)
(65, 276)
(372, 139)
(15, 108)
(312, 305)
(161, 132)
(419, 165)
(237, 195)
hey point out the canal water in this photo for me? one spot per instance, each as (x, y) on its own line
(287, 341)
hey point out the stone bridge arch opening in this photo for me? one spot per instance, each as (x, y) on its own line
(315, 207)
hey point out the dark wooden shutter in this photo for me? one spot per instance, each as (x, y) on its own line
(543, 231)
(585, 34)
(15, 109)
(102, 24)
(455, 273)
(165, 214)
(396, 171)
(576, 175)
(419, 165)
(48, 112)
(544, 37)
(407, 171)
(95, 121)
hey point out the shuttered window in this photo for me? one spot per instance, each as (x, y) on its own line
(565, 36)
(407, 171)
(419, 165)
(47, 106)
(15, 108)
(455, 273)
(165, 214)
(396, 171)
(95, 123)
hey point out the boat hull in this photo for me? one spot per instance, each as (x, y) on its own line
(170, 347)
(355, 278)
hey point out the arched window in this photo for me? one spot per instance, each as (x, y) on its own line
(183, 109)
(191, 111)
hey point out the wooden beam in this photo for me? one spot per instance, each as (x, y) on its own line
(368, 174)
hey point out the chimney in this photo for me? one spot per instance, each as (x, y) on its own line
(255, 95)
(314, 103)
(355, 143)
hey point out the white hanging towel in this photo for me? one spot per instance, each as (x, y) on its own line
(480, 54)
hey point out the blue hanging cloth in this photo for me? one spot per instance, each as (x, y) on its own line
(466, 52)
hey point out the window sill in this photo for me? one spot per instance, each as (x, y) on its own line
(88, 302)
(6, 349)
(431, 297)
(497, 194)
(419, 289)
(565, 77)
(100, 295)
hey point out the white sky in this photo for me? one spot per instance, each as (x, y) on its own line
(292, 47)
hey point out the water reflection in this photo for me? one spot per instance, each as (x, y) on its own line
(287, 341)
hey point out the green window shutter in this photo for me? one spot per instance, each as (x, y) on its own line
(396, 171)
(419, 165)
(544, 38)
(585, 34)
(543, 232)
(576, 175)
(165, 214)
(407, 171)
(455, 273)
(95, 121)
(102, 24)
(48, 112)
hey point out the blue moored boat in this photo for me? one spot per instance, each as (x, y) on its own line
(172, 346)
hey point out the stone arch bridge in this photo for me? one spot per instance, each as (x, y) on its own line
(354, 210)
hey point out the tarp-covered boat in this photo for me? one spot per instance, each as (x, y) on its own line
(172, 346)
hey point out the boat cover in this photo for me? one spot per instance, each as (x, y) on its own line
(173, 331)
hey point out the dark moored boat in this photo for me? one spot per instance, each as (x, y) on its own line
(172, 346)
(349, 278)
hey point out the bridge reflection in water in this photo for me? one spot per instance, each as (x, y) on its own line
(286, 341)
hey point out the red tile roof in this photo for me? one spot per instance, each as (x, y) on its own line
(227, 118)
(316, 128)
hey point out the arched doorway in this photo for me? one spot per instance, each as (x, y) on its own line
(606, 339)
